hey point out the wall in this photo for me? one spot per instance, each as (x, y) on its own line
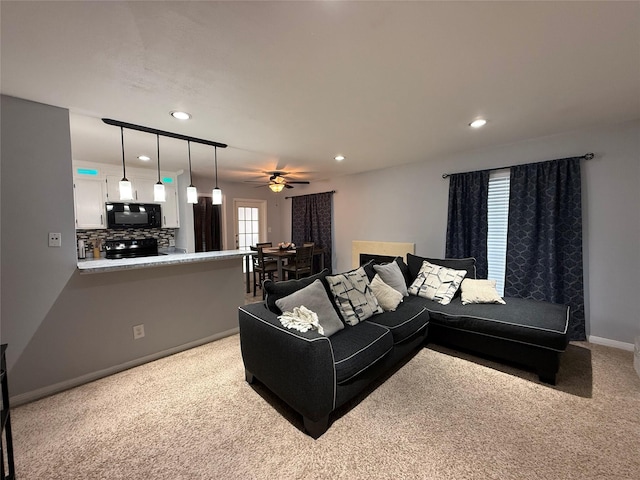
(64, 328)
(409, 204)
(231, 191)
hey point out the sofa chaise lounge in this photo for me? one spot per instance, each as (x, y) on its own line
(315, 374)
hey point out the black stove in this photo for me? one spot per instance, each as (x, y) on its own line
(132, 248)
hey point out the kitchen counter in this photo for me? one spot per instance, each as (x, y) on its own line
(103, 265)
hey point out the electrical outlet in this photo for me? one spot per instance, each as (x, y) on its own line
(172, 242)
(55, 239)
(138, 331)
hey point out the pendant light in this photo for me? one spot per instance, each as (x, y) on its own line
(216, 194)
(159, 194)
(192, 192)
(126, 191)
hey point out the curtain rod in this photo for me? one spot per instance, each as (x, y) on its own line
(586, 156)
(140, 128)
(296, 196)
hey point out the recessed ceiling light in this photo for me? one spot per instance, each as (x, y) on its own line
(481, 122)
(339, 158)
(144, 158)
(181, 115)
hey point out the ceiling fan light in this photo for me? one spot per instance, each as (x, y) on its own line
(216, 196)
(276, 187)
(192, 194)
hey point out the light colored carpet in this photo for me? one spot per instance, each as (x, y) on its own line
(443, 415)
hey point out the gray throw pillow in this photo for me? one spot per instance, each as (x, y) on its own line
(391, 274)
(315, 298)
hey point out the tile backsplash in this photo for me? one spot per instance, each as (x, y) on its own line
(165, 236)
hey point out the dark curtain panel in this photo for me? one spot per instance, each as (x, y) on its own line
(207, 224)
(544, 239)
(467, 223)
(311, 222)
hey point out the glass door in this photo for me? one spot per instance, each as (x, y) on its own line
(250, 222)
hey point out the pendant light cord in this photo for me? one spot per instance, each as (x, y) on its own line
(190, 175)
(158, 143)
(216, 159)
(124, 169)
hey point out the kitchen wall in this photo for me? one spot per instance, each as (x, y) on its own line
(409, 204)
(64, 328)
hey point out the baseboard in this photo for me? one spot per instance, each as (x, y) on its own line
(611, 343)
(90, 377)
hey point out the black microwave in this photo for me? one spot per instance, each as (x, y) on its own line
(133, 215)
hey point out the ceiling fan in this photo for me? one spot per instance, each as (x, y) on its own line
(277, 182)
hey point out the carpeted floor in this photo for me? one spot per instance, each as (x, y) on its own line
(442, 415)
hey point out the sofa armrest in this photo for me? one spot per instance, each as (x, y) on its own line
(296, 366)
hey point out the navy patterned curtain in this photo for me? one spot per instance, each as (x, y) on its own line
(467, 223)
(544, 239)
(311, 222)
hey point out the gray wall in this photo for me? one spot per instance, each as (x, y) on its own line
(62, 326)
(409, 204)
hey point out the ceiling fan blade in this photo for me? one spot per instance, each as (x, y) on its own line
(300, 182)
(286, 185)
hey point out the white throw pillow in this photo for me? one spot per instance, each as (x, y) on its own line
(352, 293)
(389, 298)
(391, 274)
(315, 298)
(480, 291)
(437, 283)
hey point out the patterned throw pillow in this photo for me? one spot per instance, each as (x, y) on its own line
(437, 283)
(353, 295)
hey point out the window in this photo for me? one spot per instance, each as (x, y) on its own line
(498, 217)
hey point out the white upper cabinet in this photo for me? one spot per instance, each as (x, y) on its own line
(88, 195)
(106, 186)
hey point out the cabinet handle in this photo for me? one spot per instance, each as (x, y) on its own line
(101, 222)
(164, 219)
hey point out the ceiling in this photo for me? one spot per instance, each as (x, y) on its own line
(289, 85)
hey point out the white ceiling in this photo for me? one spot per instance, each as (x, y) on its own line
(288, 85)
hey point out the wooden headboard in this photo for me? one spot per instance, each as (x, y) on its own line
(395, 249)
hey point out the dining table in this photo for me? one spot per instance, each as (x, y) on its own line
(282, 254)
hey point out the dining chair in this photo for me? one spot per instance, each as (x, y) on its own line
(301, 265)
(262, 266)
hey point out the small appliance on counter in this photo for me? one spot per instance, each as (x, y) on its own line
(132, 248)
(82, 249)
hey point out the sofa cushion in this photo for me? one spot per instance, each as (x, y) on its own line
(353, 296)
(357, 348)
(388, 298)
(410, 317)
(522, 320)
(414, 264)
(437, 283)
(277, 290)
(479, 291)
(315, 298)
(391, 274)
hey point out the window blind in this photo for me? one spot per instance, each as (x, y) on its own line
(498, 217)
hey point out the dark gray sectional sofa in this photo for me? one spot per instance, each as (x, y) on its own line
(315, 374)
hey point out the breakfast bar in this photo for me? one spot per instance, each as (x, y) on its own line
(163, 260)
